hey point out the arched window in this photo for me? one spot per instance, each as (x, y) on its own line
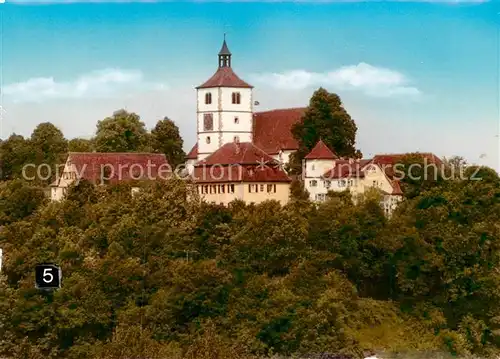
(208, 98)
(236, 98)
(208, 139)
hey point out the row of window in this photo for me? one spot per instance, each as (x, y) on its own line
(341, 183)
(235, 98)
(208, 122)
(216, 189)
(235, 139)
(255, 188)
(221, 188)
(69, 175)
(327, 184)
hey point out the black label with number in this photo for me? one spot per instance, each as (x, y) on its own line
(47, 276)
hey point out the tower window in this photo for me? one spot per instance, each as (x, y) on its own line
(208, 139)
(208, 98)
(208, 122)
(236, 98)
(236, 120)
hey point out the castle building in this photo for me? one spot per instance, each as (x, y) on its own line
(239, 153)
(225, 114)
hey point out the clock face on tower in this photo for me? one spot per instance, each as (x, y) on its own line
(208, 122)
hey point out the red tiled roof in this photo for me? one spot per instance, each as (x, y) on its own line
(237, 162)
(388, 161)
(239, 173)
(273, 129)
(238, 153)
(394, 158)
(96, 167)
(346, 169)
(320, 152)
(396, 189)
(224, 77)
(193, 154)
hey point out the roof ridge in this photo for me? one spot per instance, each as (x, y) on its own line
(283, 109)
(119, 153)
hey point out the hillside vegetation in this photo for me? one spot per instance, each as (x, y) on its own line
(160, 276)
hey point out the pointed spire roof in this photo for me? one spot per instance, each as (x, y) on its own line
(224, 50)
(321, 152)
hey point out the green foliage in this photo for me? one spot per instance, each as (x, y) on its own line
(166, 139)
(325, 119)
(18, 200)
(80, 145)
(161, 274)
(48, 144)
(14, 154)
(122, 132)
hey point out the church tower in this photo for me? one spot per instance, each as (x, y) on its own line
(224, 108)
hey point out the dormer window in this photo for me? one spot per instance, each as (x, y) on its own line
(236, 98)
(208, 98)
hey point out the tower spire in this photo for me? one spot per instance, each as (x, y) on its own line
(224, 55)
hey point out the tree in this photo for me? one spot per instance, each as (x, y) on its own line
(80, 145)
(166, 139)
(18, 200)
(14, 154)
(48, 147)
(48, 144)
(122, 132)
(325, 119)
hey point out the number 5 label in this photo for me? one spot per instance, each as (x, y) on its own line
(48, 276)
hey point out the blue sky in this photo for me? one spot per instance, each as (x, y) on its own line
(414, 75)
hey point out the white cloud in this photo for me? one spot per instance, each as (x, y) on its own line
(98, 84)
(371, 80)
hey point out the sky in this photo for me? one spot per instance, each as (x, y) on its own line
(415, 76)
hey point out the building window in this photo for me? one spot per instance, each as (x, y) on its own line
(230, 188)
(208, 122)
(262, 188)
(236, 98)
(208, 98)
(350, 183)
(313, 183)
(313, 167)
(320, 197)
(222, 189)
(206, 189)
(375, 183)
(236, 120)
(236, 139)
(269, 188)
(208, 139)
(274, 187)
(249, 188)
(327, 184)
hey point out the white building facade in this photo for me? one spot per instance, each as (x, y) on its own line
(224, 109)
